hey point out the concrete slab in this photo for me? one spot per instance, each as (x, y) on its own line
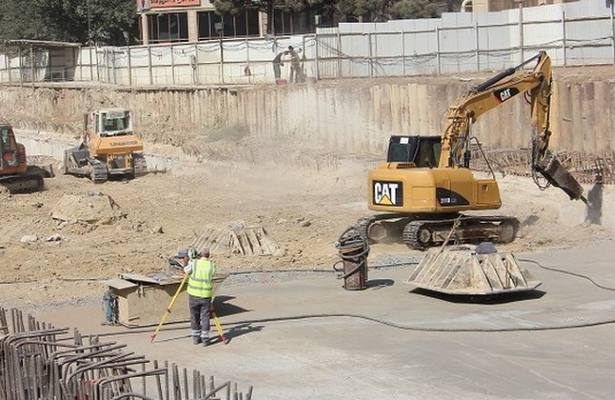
(343, 357)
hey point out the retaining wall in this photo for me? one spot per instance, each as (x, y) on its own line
(354, 116)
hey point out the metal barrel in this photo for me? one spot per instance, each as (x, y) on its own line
(353, 251)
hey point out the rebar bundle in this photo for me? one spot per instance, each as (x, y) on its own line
(41, 362)
(586, 168)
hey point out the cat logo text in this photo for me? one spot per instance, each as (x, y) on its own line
(388, 193)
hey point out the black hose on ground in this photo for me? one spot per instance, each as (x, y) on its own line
(418, 328)
(561, 271)
(389, 324)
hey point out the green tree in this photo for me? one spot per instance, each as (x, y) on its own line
(414, 9)
(234, 7)
(383, 10)
(111, 21)
(19, 19)
(366, 10)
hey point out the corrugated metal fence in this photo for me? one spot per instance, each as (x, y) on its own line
(581, 33)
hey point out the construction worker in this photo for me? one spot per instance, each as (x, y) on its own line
(295, 65)
(200, 290)
(278, 64)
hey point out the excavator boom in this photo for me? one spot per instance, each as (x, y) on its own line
(491, 94)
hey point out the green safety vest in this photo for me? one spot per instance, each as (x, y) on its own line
(200, 283)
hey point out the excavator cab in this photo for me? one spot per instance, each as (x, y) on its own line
(8, 148)
(417, 151)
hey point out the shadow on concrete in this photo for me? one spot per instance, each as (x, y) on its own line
(236, 331)
(379, 283)
(486, 299)
(175, 338)
(230, 333)
(224, 308)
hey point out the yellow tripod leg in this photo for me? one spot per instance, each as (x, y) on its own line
(169, 307)
(218, 325)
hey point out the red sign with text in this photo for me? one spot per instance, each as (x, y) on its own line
(144, 5)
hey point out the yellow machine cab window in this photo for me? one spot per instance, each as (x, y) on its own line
(421, 151)
(115, 123)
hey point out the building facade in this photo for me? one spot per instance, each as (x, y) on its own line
(164, 21)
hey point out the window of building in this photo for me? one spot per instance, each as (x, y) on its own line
(288, 23)
(282, 22)
(212, 25)
(171, 27)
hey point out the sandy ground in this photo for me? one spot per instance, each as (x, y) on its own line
(329, 194)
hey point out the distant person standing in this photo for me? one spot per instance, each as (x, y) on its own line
(295, 65)
(278, 64)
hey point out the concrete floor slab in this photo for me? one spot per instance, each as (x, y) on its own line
(342, 357)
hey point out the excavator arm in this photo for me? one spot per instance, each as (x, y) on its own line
(495, 91)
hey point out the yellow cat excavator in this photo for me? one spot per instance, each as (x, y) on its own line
(426, 184)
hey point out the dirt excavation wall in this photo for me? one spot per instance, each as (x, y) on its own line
(347, 117)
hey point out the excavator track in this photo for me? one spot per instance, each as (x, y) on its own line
(99, 173)
(378, 227)
(139, 165)
(418, 232)
(422, 234)
(23, 183)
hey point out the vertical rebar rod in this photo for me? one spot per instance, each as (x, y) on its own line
(158, 382)
(166, 381)
(185, 376)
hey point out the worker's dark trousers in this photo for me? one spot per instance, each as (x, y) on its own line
(277, 70)
(199, 316)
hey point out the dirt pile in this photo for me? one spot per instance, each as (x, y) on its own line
(89, 208)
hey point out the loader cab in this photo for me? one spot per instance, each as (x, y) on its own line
(416, 151)
(110, 123)
(114, 122)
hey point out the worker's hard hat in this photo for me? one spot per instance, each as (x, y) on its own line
(182, 254)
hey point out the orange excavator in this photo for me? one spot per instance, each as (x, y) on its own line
(15, 173)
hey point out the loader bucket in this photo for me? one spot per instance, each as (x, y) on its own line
(460, 270)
